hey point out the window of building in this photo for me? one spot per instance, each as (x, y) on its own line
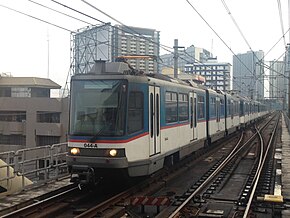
(171, 107)
(183, 107)
(135, 112)
(12, 116)
(48, 117)
(20, 92)
(5, 92)
(200, 107)
(40, 92)
(42, 140)
(12, 139)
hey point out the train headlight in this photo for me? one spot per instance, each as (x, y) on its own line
(113, 152)
(75, 151)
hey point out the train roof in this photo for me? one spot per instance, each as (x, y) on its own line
(122, 68)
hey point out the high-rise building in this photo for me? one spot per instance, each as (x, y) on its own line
(108, 42)
(128, 41)
(248, 74)
(189, 55)
(277, 82)
(216, 74)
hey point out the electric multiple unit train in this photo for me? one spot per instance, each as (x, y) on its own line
(122, 121)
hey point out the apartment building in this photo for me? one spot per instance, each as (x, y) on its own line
(216, 74)
(29, 117)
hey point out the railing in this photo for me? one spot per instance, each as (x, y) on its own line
(39, 164)
(287, 120)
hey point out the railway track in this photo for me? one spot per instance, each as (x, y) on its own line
(222, 193)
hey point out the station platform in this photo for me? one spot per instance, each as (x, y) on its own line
(285, 166)
(27, 197)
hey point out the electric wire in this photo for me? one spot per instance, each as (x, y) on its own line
(243, 36)
(36, 18)
(281, 20)
(225, 43)
(237, 26)
(62, 13)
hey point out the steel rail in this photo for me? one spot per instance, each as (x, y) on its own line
(14, 213)
(216, 171)
(247, 210)
(234, 152)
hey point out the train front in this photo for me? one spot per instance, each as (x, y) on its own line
(97, 121)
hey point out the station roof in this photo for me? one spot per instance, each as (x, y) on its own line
(28, 82)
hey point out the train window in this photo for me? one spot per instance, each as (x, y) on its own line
(183, 107)
(135, 112)
(171, 107)
(98, 107)
(200, 107)
(191, 112)
(157, 115)
(242, 113)
(212, 107)
(151, 114)
(222, 108)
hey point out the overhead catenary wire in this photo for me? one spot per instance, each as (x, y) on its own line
(57, 11)
(237, 26)
(171, 48)
(225, 43)
(281, 20)
(36, 18)
(243, 36)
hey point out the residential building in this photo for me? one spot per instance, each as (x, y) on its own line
(137, 41)
(248, 74)
(29, 117)
(108, 42)
(217, 74)
(189, 55)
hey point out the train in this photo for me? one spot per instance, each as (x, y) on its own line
(127, 122)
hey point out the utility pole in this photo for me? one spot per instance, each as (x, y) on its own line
(175, 57)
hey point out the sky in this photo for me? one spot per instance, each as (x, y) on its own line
(29, 47)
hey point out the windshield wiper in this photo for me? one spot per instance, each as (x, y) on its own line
(94, 138)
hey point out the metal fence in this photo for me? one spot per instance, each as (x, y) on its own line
(39, 164)
(287, 121)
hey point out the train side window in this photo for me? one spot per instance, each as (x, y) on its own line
(135, 112)
(191, 112)
(171, 107)
(200, 107)
(194, 112)
(222, 108)
(212, 107)
(183, 107)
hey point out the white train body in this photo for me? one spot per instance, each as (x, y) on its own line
(137, 123)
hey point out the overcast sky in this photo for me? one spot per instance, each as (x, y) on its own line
(24, 40)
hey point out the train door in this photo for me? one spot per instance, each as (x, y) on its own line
(154, 120)
(218, 114)
(193, 115)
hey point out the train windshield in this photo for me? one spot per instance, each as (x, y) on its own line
(98, 107)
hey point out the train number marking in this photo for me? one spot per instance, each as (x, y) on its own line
(90, 145)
